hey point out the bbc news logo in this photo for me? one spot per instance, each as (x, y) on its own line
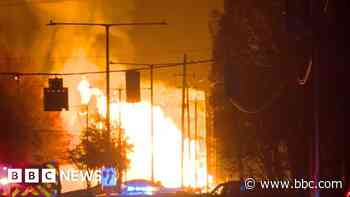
(31, 175)
(50, 175)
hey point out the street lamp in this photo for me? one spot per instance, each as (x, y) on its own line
(107, 27)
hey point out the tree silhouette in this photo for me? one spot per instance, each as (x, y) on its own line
(96, 150)
(28, 134)
(258, 61)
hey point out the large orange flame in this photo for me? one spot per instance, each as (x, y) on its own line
(135, 120)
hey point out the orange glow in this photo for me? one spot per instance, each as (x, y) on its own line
(135, 120)
(85, 93)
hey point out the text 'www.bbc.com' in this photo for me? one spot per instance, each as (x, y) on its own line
(297, 184)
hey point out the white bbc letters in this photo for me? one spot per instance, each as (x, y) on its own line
(14, 175)
(48, 175)
(31, 175)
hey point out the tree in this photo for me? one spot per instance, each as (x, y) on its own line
(27, 133)
(260, 61)
(97, 150)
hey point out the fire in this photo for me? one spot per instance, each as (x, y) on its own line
(85, 93)
(135, 120)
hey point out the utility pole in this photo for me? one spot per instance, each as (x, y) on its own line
(87, 118)
(152, 124)
(184, 85)
(188, 122)
(87, 140)
(120, 134)
(314, 7)
(108, 95)
(120, 116)
(208, 134)
(196, 141)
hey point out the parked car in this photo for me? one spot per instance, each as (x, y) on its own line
(237, 189)
(231, 188)
(140, 187)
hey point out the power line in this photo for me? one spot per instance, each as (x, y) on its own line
(18, 3)
(274, 96)
(146, 67)
(162, 65)
(264, 106)
(63, 58)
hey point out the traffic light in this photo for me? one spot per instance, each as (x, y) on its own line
(133, 94)
(55, 96)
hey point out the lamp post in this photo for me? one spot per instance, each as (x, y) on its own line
(152, 123)
(107, 27)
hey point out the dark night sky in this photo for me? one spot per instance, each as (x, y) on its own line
(28, 45)
(22, 28)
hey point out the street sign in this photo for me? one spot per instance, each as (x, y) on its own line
(109, 177)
